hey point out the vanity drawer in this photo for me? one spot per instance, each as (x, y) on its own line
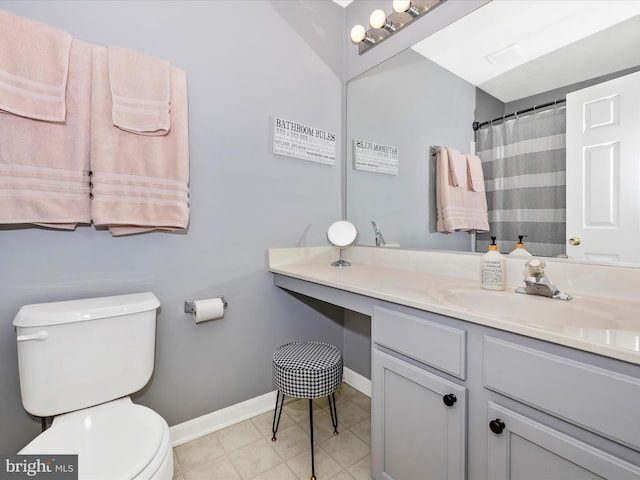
(428, 342)
(605, 402)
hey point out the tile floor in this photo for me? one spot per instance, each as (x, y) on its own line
(245, 450)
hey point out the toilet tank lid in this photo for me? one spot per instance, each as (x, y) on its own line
(55, 313)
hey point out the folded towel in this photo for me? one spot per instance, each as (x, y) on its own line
(44, 166)
(140, 92)
(458, 209)
(475, 176)
(457, 168)
(34, 68)
(140, 183)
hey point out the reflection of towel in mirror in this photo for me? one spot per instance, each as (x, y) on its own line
(458, 207)
(457, 166)
(475, 177)
(140, 182)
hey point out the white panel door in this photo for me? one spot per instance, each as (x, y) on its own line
(603, 171)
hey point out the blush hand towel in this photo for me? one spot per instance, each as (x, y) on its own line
(475, 175)
(457, 168)
(44, 166)
(140, 183)
(34, 68)
(140, 92)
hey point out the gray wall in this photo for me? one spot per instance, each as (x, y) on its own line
(246, 61)
(357, 342)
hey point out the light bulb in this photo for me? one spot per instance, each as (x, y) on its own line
(377, 19)
(358, 33)
(400, 6)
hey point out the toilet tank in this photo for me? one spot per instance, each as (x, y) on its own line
(79, 353)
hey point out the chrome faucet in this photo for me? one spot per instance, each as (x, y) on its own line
(379, 238)
(537, 283)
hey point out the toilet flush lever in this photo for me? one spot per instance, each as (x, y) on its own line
(41, 335)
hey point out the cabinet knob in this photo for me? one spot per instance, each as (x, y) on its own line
(496, 426)
(449, 399)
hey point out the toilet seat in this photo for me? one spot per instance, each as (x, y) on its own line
(118, 439)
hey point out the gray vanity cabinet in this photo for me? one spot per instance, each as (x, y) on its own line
(420, 417)
(523, 413)
(519, 448)
(571, 393)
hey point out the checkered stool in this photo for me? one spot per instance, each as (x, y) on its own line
(307, 370)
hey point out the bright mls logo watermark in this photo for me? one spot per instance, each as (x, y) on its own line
(49, 467)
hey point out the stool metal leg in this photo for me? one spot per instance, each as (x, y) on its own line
(334, 412)
(313, 468)
(277, 413)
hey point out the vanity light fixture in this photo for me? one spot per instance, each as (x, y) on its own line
(383, 25)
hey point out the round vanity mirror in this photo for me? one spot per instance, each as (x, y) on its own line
(342, 234)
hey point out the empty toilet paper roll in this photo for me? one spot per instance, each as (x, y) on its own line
(209, 309)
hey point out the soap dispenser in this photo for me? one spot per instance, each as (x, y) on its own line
(492, 268)
(520, 251)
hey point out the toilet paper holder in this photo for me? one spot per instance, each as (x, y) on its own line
(189, 305)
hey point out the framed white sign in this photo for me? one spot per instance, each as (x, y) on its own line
(375, 157)
(296, 140)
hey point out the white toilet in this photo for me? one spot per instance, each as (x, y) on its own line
(78, 361)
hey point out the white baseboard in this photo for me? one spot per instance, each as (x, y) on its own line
(357, 381)
(211, 422)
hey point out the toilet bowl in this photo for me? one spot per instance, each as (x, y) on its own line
(115, 440)
(79, 361)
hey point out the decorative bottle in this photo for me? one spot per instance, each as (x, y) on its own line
(519, 251)
(492, 268)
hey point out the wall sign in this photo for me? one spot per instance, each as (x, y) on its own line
(302, 141)
(375, 157)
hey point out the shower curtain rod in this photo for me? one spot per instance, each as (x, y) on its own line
(477, 125)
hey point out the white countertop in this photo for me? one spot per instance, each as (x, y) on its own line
(607, 324)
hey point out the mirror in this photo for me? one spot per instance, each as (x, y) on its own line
(409, 103)
(342, 234)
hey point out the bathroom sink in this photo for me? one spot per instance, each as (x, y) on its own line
(535, 311)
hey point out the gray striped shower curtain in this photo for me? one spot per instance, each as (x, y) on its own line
(524, 166)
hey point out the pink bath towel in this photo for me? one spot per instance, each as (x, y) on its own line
(140, 92)
(140, 183)
(44, 166)
(34, 68)
(458, 208)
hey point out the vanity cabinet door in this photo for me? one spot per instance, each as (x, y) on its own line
(418, 422)
(520, 448)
